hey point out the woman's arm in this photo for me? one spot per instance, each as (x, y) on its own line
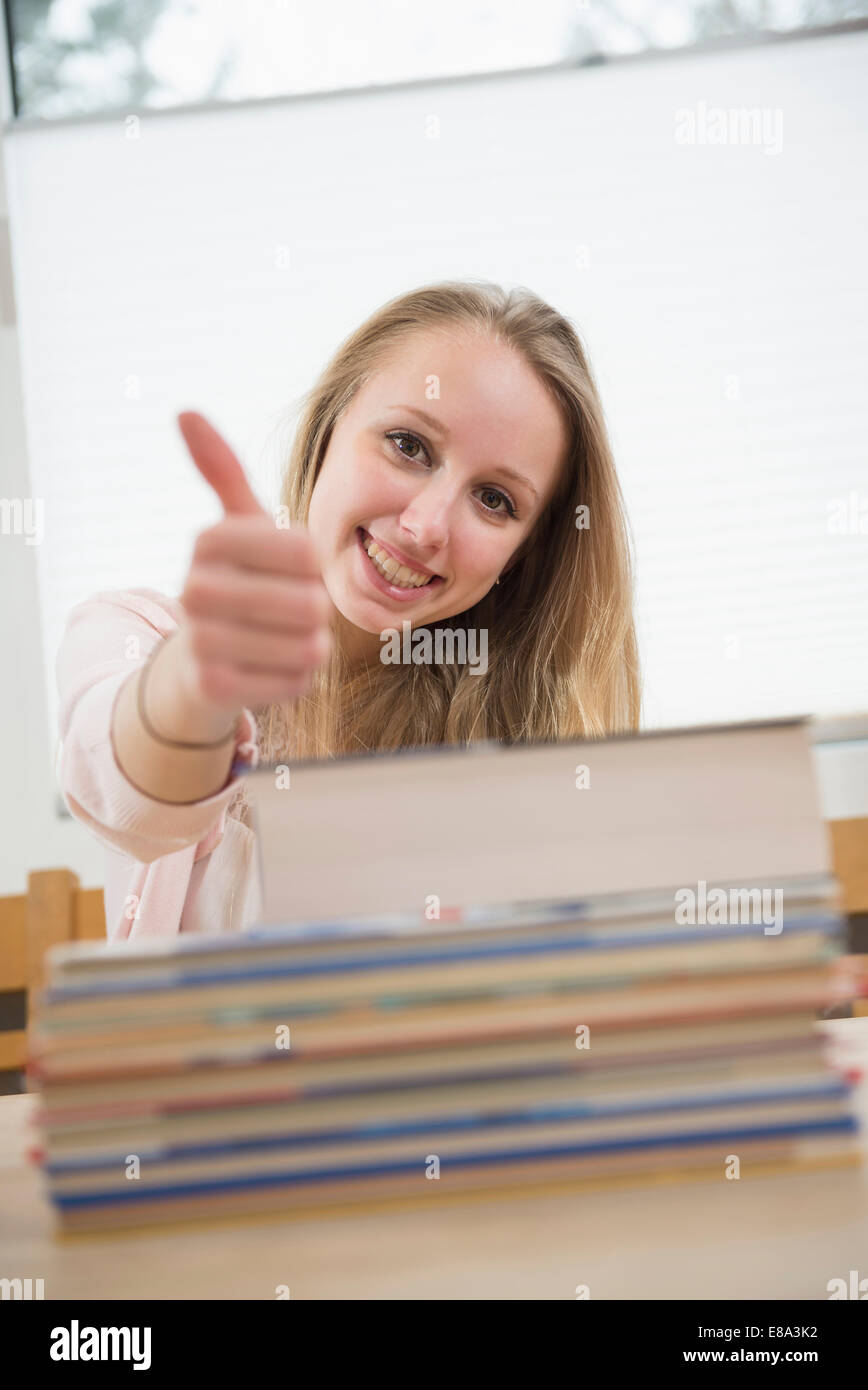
(179, 775)
(107, 639)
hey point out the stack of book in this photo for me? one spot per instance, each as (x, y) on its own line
(466, 1046)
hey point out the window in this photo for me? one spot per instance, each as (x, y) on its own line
(75, 57)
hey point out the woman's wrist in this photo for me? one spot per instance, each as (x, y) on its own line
(155, 765)
(172, 712)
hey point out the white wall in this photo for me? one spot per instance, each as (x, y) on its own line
(33, 836)
(215, 261)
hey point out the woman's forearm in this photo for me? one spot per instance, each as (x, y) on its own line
(171, 774)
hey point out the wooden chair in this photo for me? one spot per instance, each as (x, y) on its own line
(56, 909)
(850, 857)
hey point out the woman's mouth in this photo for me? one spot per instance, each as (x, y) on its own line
(389, 574)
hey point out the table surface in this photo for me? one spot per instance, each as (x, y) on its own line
(758, 1237)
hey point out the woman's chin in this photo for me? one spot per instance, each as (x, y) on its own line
(373, 617)
(365, 614)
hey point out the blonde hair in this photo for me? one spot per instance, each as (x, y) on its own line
(562, 655)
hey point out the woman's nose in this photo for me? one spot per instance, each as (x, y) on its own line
(427, 518)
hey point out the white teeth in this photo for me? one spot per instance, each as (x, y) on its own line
(390, 569)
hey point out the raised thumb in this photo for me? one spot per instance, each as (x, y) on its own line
(218, 465)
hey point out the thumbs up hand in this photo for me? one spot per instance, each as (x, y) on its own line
(256, 610)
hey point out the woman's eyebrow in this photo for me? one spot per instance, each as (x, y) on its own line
(430, 420)
(518, 478)
(437, 427)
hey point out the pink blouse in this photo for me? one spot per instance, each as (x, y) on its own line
(169, 868)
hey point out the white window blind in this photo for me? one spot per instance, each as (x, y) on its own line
(215, 259)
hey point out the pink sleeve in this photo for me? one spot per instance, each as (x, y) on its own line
(106, 637)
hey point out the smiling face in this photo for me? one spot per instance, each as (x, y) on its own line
(420, 503)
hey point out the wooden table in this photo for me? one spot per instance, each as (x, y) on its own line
(761, 1237)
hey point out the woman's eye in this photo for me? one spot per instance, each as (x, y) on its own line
(490, 492)
(396, 435)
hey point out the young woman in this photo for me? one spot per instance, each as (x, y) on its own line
(451, 470)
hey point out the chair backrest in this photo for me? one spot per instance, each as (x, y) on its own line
(54, 909)
(850, 857)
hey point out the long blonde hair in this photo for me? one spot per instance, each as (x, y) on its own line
(562, 655)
